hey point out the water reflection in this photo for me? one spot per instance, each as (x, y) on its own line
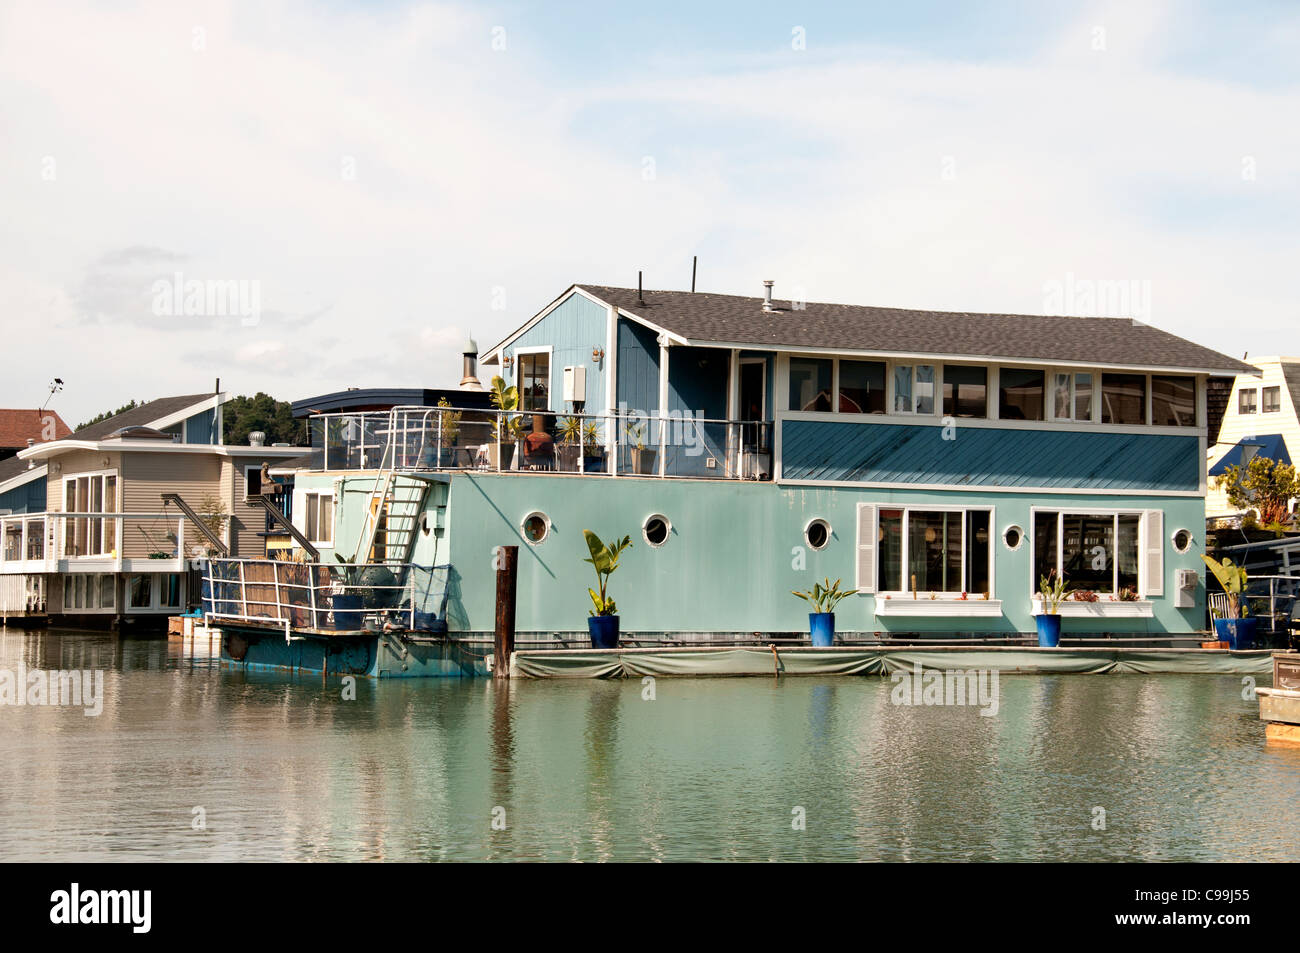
(288, 768)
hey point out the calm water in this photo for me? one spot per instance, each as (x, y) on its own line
(711, 769)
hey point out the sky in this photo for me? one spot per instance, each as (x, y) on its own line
(384, 180)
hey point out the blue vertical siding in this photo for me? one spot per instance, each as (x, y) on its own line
(29, 498)
(638, 366)
(572, 329)
(886, 453)
(201, 428)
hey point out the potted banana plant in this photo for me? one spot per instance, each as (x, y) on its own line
(1047, 617)
(602, 623)
(643, 458)
(566, 453)
(507, 428)
(1235, 626)
(824, 597)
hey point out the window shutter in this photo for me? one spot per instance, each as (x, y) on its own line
(1153, 564)
(867, 548)
(298, 510)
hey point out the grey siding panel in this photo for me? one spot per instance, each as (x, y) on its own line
(638, 366)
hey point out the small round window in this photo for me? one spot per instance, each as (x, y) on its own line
(817, 534)
(656, 529)
(1013, 536)
(1183, 540)
(535, 527)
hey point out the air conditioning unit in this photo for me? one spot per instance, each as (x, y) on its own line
(575, 383)
(1187, 578)
(1185, 583)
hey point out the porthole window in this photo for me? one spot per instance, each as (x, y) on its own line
(817, 534)
(656, 529)
(1013, 536)
(535, 527)
(1183, 540)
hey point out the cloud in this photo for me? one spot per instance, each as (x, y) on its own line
(387, 178)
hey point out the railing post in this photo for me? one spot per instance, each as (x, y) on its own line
(311, 597)
(663, 444)
(275, 574)
(503, 643)
(437, 452)
(243, 592)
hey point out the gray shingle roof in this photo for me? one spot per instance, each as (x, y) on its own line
(735, 319)
(142, 416)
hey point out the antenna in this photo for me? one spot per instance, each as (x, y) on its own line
(56, 385)
(695, 260)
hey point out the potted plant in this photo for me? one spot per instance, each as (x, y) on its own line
(593, 449)
(643, 460)
(449, 424)
(569, 430)
(825, 596)
(602, 623)
(345, 601)
(1051, 592)
(506, 429)
(1236, 626)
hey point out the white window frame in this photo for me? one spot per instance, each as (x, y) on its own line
(904, 553)
(63, 501)
(943, 380)
(532, 350)
(249, 468)
(1115, 514)
(936, 382)
(1094, 403)
(1254, 404)
(309, 502)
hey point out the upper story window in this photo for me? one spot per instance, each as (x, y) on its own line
(1072, 395)
(1272, 400)
(965, 391)
(1247, 401)
(1020, 393)
(811, 383)
(1173, 401)
(914, 389)
(1124, 399)
(535, 381)
(862, 387)
(320, 517)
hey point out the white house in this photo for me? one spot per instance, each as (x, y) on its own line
(1260, 419)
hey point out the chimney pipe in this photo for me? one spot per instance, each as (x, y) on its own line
(695, 260)
(470, 379)
(767, 296)
(640, 299)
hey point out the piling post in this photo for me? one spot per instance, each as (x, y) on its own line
(503, 645)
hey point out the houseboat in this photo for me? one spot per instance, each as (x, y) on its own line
(938, 463)
(109, 525)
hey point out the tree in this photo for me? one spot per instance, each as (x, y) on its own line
(262, 412)
(1265, 485)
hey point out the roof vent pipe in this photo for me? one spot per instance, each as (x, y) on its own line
(767, 296)
(469, 355)
(640, 298)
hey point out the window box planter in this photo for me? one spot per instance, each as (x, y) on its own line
(925, 607)
(1101, 609)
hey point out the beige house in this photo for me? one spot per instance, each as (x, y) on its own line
(1260, 419)
(105, 546)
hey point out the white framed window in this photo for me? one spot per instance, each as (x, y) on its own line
(533, 377)
(1072, 396)
(1098, 551)
(914, 389)
(318, 516)
(91, 493)
(252, 481)
(1272, 400)
(942, 550)
(1248, 400)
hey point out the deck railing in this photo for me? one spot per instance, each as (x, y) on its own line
(458, 438)
(34, 540)
(343, 597)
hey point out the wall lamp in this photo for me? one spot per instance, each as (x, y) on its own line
(507, 362)
(597, 354)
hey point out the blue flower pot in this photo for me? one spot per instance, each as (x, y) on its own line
(347, 611)
(821, 626)
(1238, 633)
(603, 630)
(1049, 631)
